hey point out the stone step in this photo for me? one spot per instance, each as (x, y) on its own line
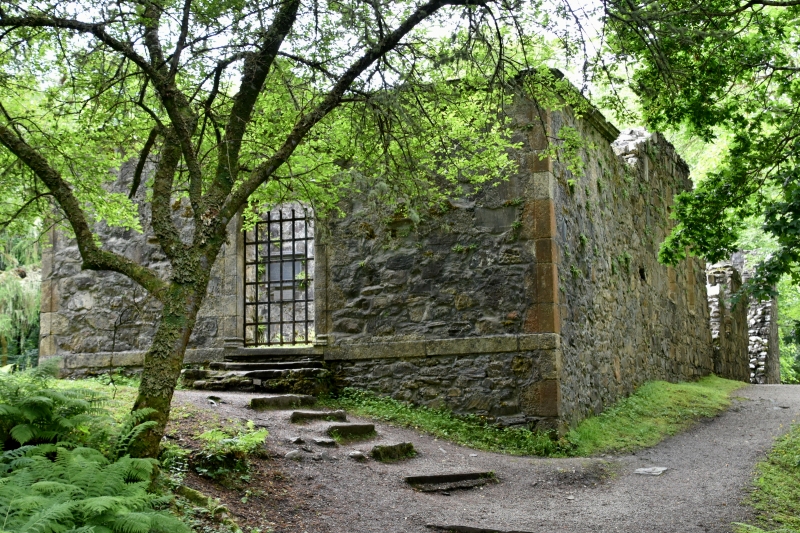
(284, 374)
(282, 401)
(302, 416)
(387, 453)
(238, 383)
(272, 365)
(349, 431)
(470, 529)
(451, 481)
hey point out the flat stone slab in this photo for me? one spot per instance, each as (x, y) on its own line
(470, 529)
(302, 416)
(324, 441)
(347, 431)
(448, 482)
(387, 453)
(283, 401)
(651, 471)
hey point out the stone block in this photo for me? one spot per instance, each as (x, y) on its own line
(304, 416)
(88, 360)
(349, 431)
(542, 318)
(541, 341)
(283, 401)
(386, 350)
(472, 345)
(387, 453)
(120, 359)
(546, 251)
(538, 219)
(545, 283)
(47, 346)
(544, 186)
(541, 398)
(539, 163)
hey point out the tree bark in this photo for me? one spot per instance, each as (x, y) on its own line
(163, 362)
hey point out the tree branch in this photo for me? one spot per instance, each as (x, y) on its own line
(93, 257)
(237, 199)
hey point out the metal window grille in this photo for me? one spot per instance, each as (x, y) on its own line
(278, 281)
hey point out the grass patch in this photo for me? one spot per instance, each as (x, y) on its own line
(656, 410)
(777, 493)
(469, 431)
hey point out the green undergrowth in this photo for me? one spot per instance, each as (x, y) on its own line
(656, 410)
(777, 488)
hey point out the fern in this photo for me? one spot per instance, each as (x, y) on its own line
(80, 490)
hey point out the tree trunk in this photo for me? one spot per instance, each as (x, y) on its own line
(163, 362)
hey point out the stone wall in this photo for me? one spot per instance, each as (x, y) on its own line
(729, 323)
(763, 350)
(101, 321)
(544, 252)
(624, 317)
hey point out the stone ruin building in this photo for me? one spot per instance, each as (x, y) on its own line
(538, 301)
(744, 335)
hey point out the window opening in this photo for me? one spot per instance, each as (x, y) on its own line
(278, 280)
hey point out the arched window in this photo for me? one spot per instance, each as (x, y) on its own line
(278, 280)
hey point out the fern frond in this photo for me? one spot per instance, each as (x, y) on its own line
(133, 523)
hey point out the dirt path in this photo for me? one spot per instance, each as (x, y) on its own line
(710, 470)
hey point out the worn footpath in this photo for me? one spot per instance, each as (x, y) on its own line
(709, 473)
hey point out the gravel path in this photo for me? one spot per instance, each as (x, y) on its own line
(710, 470)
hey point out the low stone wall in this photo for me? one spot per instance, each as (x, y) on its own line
(509, 379)
(728, 323)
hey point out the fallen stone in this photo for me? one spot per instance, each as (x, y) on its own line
(357, 455)
(324, 441)
(302, 416)
(349, 431)
(296, 440)
(283, 401)
(651, 471)
(447, 482)
(470, 529)
(387, 453)
(295, 455)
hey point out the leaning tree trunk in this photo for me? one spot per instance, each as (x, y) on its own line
(163, 361)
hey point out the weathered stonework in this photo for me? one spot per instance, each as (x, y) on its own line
(537, 300)
(728, 323)
(545, 252)
(101, 321)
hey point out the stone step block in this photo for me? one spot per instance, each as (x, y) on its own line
(223, 384)
(450, 481)
(351, 431)
(387, 453)
(449, 528)
(333, 416)
(289, 373)
(282, 401)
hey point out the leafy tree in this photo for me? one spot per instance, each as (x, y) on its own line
(230, 103)
(730, 68)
